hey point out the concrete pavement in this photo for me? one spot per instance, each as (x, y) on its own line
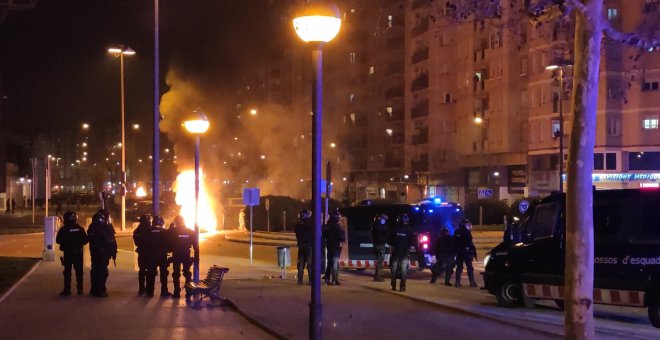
(357, 309)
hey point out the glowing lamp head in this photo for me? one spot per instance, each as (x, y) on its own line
(551, 67)
(125, 50)
(478, 120)
(317, 22)
(198, 123)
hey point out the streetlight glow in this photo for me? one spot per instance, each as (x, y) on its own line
(136, 126)
(551, 67)
(478, 120)
(198, 124)
(85, 126)
(317, 22)
(253, 112)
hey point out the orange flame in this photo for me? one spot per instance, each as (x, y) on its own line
(185, 197)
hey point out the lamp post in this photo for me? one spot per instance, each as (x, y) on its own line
(316, 23)
(120, 51)
(197, 125)
(560, 67)
(483, 122)
(155, 174)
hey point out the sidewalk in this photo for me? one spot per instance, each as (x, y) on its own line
(34, 310)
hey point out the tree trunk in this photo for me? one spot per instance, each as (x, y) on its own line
(579, 276)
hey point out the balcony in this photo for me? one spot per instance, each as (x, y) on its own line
(421, 27)
(394, 68)
(393, 92)
(396, 115)
(395, 139)
(421, 164)
(421, 82)
(420, 110)
(395, 42)
(393, 162)
(422, 136)
(420, 55)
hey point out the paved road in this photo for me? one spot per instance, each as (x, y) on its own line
(359, 305)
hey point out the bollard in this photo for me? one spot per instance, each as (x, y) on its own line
(283, 259)
(50, 228)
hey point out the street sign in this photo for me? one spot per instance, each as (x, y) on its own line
(251, 196)
(485, 193)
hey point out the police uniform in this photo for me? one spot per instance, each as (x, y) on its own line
(465, 252)
(304, 231)
(139, 236)
(182, 239)
(72, 237)
(156, 247)
(400, 240)
(379, 232)
(334, 238)
(445, 254)
(102, 247)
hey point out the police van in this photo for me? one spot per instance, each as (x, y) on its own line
(426, 220)
(626, 253)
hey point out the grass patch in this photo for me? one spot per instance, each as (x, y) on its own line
(12, 269)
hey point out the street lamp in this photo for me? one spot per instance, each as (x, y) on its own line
(85, 126)
(483, 122)
(120, 51)
(560, 67)
(198, 124)
(316, 23)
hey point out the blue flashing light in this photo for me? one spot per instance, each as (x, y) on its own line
(437, 200)
(416, 208)
(457, 209)
(430, 210)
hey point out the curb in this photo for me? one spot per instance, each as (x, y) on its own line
(10, 290)
(255, 321)
(468, 312)
(262, 243)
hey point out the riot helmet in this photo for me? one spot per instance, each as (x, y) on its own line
(99, 218)
(179, 222)
(335, 215)
(402, 219)
(145, 219)
(305, 214)
(70, 217)
(157, 220)
(465, 223)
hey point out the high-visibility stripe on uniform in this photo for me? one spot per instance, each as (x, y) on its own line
(604, 296)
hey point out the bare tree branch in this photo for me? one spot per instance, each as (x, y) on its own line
(645, 40)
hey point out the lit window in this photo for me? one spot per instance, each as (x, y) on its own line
(389, 132)
(650, 123)
(389, 21)
(389, 109)
(612, 13)
(650, 86)
(352, 57)
(372, 70)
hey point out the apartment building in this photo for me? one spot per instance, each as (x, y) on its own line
(420, 104)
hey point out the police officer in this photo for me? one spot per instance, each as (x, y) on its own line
(400, 240)
(181, 240)
(465, 251)
(334, 238)
(139, 236)
(379, 230)
(72, 237)
(445, 255)
(156, 246)
(304, 231)
(102, 247)
(161, 257)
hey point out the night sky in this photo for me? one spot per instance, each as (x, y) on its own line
(56, 73)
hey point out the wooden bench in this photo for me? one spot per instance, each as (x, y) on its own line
(209, 287)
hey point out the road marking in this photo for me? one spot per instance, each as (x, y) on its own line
(5, 295)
